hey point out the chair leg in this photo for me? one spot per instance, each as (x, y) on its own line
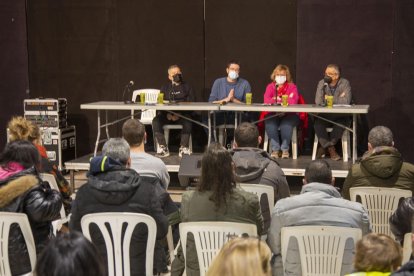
(266, 143)
(315, 147)
(345, 146)
(167, 135)
(295, 143)
(190, 143)
(221, 136)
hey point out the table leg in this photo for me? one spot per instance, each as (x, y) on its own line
(72, 180)
(106, 124)
(98, 137)
(354, 140)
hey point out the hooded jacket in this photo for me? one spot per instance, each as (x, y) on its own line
(380, 167)
(112, 187)
(400, 220)
(255, 166)
(24, 193)
(318, 204)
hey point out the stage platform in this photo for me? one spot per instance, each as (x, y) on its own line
(289, 166)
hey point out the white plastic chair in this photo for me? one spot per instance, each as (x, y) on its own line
(380, 204)
(151, 96)
(259, 189)
(346, 144)
(115, 246)
(210, 236)
(294, 143)
(321, 248)
(57, 224)
(6, 220)
(407, 247)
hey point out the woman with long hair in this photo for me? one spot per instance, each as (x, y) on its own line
(21, 191)
(216, 198)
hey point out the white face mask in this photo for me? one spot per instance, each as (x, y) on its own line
(280, 79)
(233, 74)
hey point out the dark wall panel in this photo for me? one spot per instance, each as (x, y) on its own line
(88, 50)
(402, 98)
(357, 35)
(260, 34)
(13, 62)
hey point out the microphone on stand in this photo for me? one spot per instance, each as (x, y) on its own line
(127, 88)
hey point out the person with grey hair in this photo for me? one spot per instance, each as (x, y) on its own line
(381, 166)
(113, 187)
(331, 85)
(319, 203)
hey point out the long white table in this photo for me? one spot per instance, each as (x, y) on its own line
(310, 109)
(313, 110)
(183, 106)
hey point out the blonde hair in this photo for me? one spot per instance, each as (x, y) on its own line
(281, 67)
(377, 252)
(242, 256)
(22, 129)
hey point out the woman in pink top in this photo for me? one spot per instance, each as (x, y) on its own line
(281, 85)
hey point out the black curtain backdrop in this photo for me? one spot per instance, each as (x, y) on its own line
(371, 41)
(13, 62)
(259, 34)
(88, 50)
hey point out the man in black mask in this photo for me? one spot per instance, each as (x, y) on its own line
(177, 90)
(331, 85)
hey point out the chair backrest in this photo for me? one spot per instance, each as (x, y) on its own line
(151, 96)
(117, 243)
(407, 247)
(380, 204)
(6, 220)
(321, 248)
(210, 236)
(50, 178)
(259, 189)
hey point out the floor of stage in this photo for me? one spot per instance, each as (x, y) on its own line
(293, 169)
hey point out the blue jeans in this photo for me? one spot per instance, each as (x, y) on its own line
(286, 125)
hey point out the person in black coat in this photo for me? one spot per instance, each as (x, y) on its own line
(113, 187)
(22, 191)
(401, 219)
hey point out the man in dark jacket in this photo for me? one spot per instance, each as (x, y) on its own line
(381, 166)
(255, 166)
(113, 187)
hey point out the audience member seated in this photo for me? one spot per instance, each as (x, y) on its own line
(282, 84)
(381, 166)
(376, 255)
(254, 165)
(22, 191)
(133, 131)
(177, 90)
(216, 198)
(333, 84)
(319, 203)
(21, 129)
(113, 187)
(70, 254)
(242, 257)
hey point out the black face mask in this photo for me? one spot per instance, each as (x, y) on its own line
(327, 79)
(178, 78)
